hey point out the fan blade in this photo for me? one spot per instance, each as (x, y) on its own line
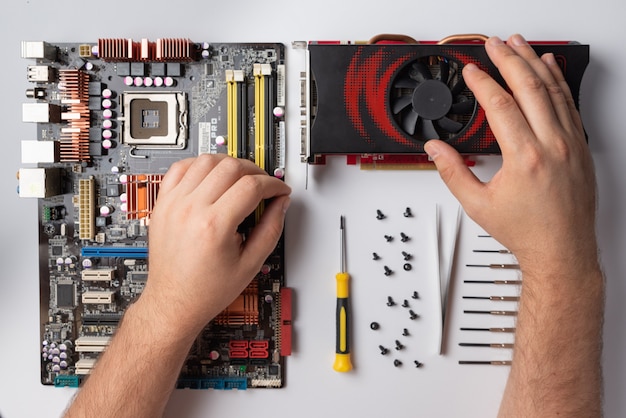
(422, 70)
(461, 108)
(449, 125)
(459, 86)
(409, 122)
(444, 71)
(428, 130)
(405, 83)
(400, 103)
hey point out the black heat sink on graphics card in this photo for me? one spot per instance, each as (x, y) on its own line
(392, 98)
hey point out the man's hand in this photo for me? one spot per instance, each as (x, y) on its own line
(541, 204)
(198, 261)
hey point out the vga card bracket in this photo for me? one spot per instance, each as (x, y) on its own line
(380, 101)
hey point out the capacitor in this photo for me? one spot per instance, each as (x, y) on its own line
(169, 81)
(214, 355)
(44, 356)
(55, 351)
(279, 173)
(56, 359)
(123, 178)
(107, 144)
(107, 134)
(87, 264)
(45, 351)
(107, 114)
(63, 355)
(115, 169)
(206, 45)
(266, 268)
(205, 53)
(107, 124)
(279, 112)
(269, 298)
(89, 66)
(56, 368)
(107, 93)
(220, 140)
(124, 207)
(63, 346)
(138, 81)
(106, 210)
(123, 197)
(128, 80)
(158, 81)
(68, 261)
(63, 364)
(147, 81)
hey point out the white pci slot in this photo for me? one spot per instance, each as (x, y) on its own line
(97, 275)
(92, 344)
(84, 366)
(96, 297)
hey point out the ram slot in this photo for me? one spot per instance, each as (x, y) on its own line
(237, 111)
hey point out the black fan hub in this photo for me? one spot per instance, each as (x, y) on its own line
(432, 99)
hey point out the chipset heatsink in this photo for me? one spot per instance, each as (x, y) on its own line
(154, 120)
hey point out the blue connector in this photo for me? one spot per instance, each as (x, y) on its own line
(64, 380)
(121, 252)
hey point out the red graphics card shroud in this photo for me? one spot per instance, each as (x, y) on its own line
(388, 99)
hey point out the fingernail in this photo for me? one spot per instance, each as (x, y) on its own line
(470, 67)
(431, 149)
(549, 58)
(286, 204)
(494, 40)
(518, 40)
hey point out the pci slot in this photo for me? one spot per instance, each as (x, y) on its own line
(121, 252)
(97, 297)
(237, 109)
(92, 344)
(97, 275)
(86, 208)
(84, 366)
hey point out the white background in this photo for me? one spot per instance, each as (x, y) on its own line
(441, 388)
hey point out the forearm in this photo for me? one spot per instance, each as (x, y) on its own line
(137, 373)
(556, 368)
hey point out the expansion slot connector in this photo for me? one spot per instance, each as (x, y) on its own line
(237, 110)
(98, 297)
(85, 365)
(97, 275)
(86, 208)
(122, 252)
(92, 344)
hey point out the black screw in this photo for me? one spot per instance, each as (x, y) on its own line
(374, 325)
(413, 314)
(405, 332)
(415, 295)
(405, 304)
(399, 345)
(406, 255)
(417, 363)
(407, 266)
(375, 256)
(379, 214)
(388, 271)
(383, 350)
(404, 237)
(388, 238)
(397, 363)
(407, 213)
(390, 301)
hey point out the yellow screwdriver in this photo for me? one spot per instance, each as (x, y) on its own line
(342, 344)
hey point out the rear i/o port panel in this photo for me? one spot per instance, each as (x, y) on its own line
(111, 117)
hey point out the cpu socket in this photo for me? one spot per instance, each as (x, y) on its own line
(154, 120)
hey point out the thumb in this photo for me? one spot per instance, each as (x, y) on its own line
(461, 181)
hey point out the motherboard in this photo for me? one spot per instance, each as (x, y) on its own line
(111, 117)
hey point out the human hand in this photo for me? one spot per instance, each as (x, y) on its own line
(198, 262)
(541, 203)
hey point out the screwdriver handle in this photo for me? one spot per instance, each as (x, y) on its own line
(342, 344)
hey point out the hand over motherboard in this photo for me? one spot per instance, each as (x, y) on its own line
(199, 262)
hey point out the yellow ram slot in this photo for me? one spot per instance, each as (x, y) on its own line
(231, 97)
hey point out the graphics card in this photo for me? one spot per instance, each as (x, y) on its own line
(380, 102)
